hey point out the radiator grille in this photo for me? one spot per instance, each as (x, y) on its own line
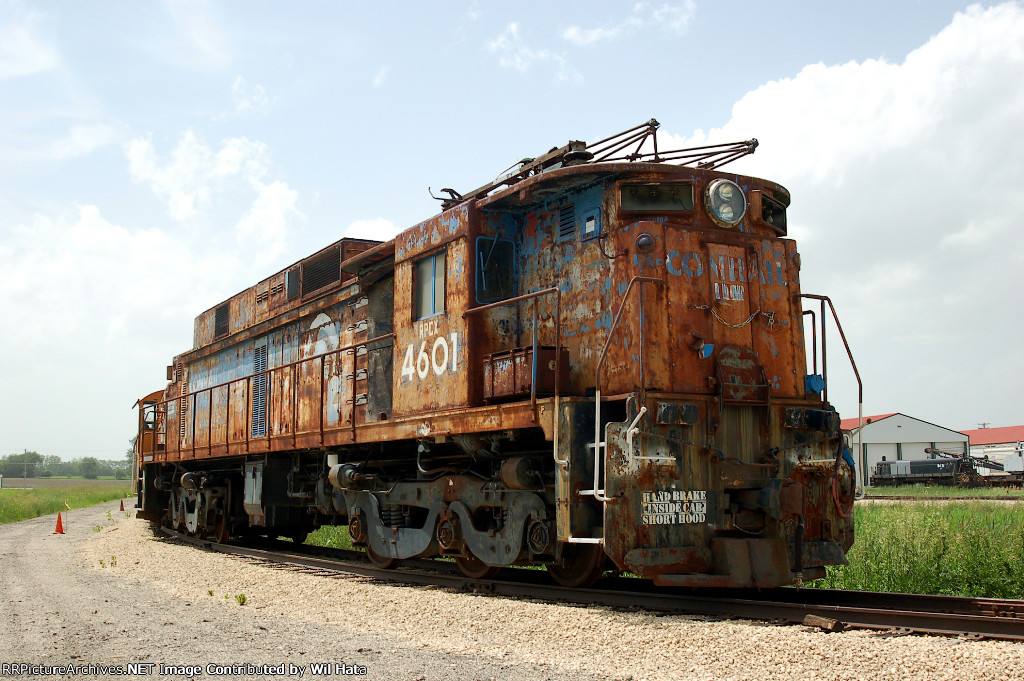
(259, 392)
(320, 271)
(220, 321)
(566, 221)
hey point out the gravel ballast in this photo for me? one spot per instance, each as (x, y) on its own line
(128, 595)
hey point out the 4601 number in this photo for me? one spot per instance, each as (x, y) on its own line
(442, 356)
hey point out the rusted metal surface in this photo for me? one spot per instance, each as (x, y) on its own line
(643, 359)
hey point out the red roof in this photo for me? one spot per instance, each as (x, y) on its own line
(850, 424)
(995, 436)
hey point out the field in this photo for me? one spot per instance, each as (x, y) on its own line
(944, 491)
(22, 504)
(26, 483)
(967, 548)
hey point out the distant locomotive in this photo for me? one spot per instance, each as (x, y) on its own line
(957, 471)
(951, 469)
(596, 360)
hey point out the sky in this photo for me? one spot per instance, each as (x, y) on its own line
(158, 157)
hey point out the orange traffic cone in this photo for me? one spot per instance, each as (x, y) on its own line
(60, 526)
(122, 504)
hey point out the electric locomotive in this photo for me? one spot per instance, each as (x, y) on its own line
(596, 361)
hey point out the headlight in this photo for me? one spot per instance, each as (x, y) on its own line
(725, 202)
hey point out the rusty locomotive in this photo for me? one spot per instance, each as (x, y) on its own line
(596, 361)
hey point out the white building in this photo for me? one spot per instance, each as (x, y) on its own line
(1002, 445)
(898, 437)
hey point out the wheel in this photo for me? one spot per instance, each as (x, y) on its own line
(383, 562)
(581, 566)
(474, 568)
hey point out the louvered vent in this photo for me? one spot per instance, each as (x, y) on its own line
(182, 406)
(276, 289)
(321, 271)
(566, 221)
(259, 392)
(220, 321)
(262, 297)
(292, 279)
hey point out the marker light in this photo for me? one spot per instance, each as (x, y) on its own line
(725, 202)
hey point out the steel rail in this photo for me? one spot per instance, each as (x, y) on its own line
(898, 613)
(888, 497)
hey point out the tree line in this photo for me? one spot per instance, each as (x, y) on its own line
(36, 465)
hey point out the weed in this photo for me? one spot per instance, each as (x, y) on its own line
(968, 548)
(102, 563)
(110, 518)
(334, 536)
(97, 528)
(113, 561)
(240, 598)
(209, 591)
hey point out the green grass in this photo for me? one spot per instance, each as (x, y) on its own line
(334, 536)
(971, 548)
(944, 491)
(22, 504)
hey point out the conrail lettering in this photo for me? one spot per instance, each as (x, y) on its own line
(675, 507)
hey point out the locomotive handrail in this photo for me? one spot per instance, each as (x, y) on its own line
(248, 391)
(598, 444)
(558, 349)
(824, 370)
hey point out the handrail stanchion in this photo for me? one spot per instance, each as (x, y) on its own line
(227, 421)
(598, 443)
(323, 368)
(856, 373)
(248, 418)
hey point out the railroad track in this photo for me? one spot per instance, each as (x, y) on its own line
(827, 609)
(892, 497)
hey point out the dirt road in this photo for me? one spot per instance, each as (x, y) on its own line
(57, 610)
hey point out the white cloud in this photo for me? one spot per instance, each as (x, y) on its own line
(264, 229)
(380, 77)
(908, 177)
(581, 36)
(203, 43)
(93, 302)
(249, 99)
(194, 171)
(377, 229)
(236, 174)
(673, 18)
(81, 140)
(23, 52)
(513, 52)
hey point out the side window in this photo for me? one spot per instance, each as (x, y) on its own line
(494, 270)
(429, 286)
